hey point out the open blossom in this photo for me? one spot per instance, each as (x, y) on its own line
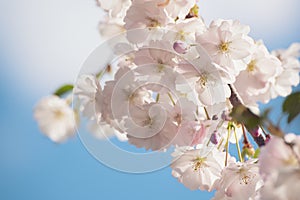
(56, 118)
(116, 8)
(150, 127)
(205, 80)
(280, 167)
(282, 185)
(287, 75)
(145, 17)
(184, 30)
(158, 53)
(102, 130)
(88, 89)
(113, 22)
(120, 93)
(239, 181)
(177, 8)
(127, 92)
(276, 155)
(199, 168)
(228, 44)
(291, 67)
(189, 130)
(145, 14)
(109, 27)
(261, 70)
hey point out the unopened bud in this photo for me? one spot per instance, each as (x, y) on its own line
(249, 151)
(214, 138)
(181, 47)
(225, 116)
(256, 132)
(215, 117)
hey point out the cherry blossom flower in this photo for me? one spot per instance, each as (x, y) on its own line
(260, 71)
(228, 44)
(178, 8)
(286, 76)
(291, 68)
(205, 81)
(239, 181)
(144, 17)
(116, 8)
(280, 168)
(86, 89)
(102, 130)
(282, 185)
(150, 127)
(199, 168)
(181, 47)
(170, 85)
(113, 22)
(109, 27)
(276, 155)
(184, 30)
(56, 118)
(189, 130)
(157, 63)
(157, 52)
(125, 90)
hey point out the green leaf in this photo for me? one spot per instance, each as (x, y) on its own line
(63, 90)
(256, 154)
(245, 116)
(291, 106)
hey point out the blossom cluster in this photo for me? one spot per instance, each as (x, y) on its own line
(171, 86)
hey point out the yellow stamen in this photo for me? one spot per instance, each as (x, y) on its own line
(224, 47)
(203, 80)
(198, 163)
(251, 66)
(153, 23)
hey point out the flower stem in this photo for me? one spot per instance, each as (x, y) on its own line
(171, 98)
(237, 145)
(206, 113)
(244, 115)
(227, 146)
(157, 97)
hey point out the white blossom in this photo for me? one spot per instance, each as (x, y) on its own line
(56, 118)
(239, 181)
(199, 168)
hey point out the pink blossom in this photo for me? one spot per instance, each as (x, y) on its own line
(199, 168)
(239, 181)
(228, 44)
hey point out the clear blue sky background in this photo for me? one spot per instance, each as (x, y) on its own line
(31, 57)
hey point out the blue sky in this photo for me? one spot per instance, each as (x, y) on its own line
(42, 45)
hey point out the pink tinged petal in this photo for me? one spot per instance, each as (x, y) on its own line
(239, 49)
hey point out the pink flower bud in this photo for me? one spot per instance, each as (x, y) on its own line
(181, 47)
(214, 138)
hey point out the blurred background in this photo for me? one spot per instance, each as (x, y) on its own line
(42, 45)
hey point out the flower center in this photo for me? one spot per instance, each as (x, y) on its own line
(198, 163)
(58, 114)
(224, 47)
(251, 66)
(291, 161)
(152, 23)
(178, 118)
(245, 177)
(147, 122)
(203, 80)
(160, 68)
